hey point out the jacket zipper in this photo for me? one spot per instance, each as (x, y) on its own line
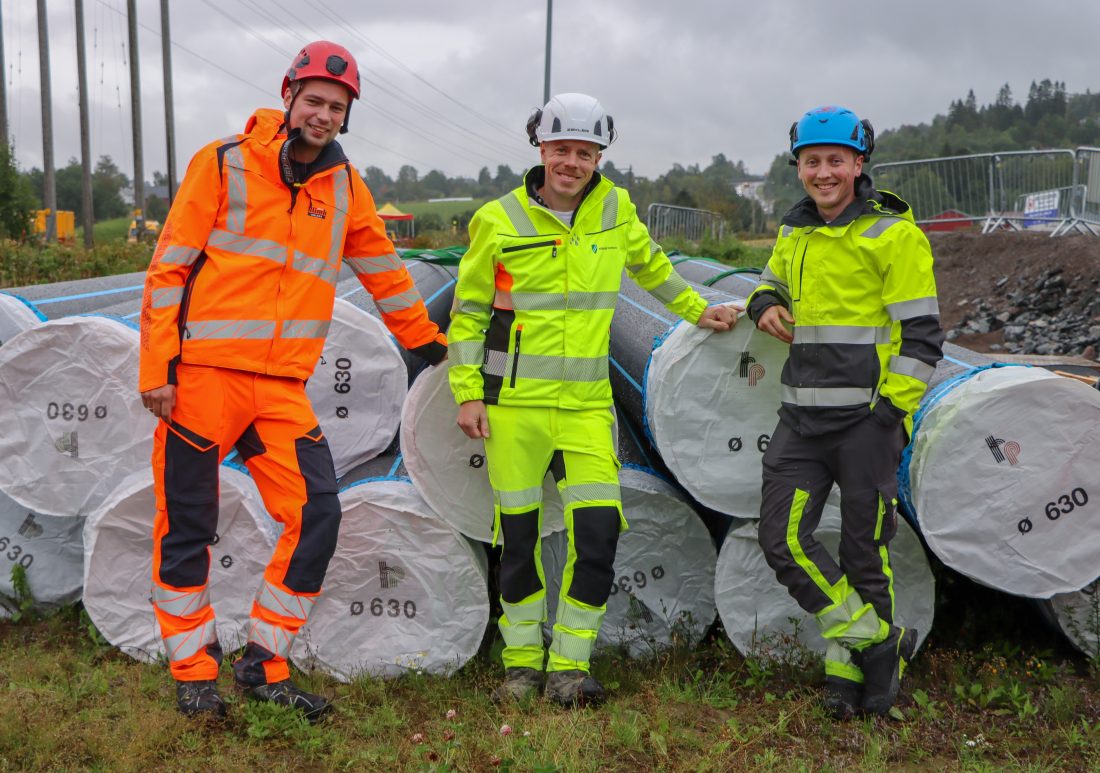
(797, 295)
(185, 302)
(516, 248)
(515, 357)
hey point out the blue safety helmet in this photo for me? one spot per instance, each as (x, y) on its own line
(832, 125)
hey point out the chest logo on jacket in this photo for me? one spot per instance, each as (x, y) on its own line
(316, 212)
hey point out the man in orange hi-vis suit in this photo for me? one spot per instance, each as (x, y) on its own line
(238, 300)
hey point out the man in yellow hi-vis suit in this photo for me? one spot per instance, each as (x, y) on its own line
(853, 274)
(528, 358)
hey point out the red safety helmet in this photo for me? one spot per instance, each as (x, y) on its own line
(326, 60)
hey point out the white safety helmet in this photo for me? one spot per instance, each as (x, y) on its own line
(571, 117)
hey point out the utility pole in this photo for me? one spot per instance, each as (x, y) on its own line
(546, 80)
(49, 185)
(135, 117)
(169, 114)
(3, 87)
(85, 149)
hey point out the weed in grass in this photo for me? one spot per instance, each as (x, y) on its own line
(1062, 704)
(21, 605)
(929, 708)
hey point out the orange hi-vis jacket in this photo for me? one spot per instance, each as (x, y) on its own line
(244, 273)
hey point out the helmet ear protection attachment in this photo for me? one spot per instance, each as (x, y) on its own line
(532, 125)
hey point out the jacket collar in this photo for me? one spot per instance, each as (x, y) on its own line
(536, 177)
(868, 201)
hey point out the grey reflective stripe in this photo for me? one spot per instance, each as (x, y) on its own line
(916, 307)
(374, 265)
(184, 645)
(667, 290)
(305, 328)
(610, 210)
(841, 334)
(237, 192)
(528, 498)
(464, 306)
(502, 299)
(577, 619)
(465, 352)
(826, 397)
(318, 267)
(566, 645)
(167, 296)
(247, 245)
(880, 226)
(768, 277)
(912, 367)
(654, 248)
(582, 301)
(179, 255)
(405, 300)
(590, 492)
(180, 602)
(230, 328)
(339, 216)
(271, 637)
(548, 367)
(283, 603)
(531, 612)
(517, 216)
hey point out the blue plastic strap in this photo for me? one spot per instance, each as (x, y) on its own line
(96, 294)
(41, 317)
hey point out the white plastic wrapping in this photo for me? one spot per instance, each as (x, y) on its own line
(757, 611)
(1004, 480)
(71, 422)
(16, 315)
(404, 591)
(711, 403)
(358, 387)
(664, 571)
(49, 548)
(448, 468)
(1077, 615)
(118, 563)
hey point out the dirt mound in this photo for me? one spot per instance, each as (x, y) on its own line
(1041, 291)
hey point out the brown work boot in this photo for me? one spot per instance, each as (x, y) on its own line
(518, 684)
(574, 689)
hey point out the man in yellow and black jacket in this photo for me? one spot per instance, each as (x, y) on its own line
(850, 287)
(528, 357)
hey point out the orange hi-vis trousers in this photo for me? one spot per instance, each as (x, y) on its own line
(272, 425)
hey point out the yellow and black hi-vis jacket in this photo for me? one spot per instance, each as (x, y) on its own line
(867, 333)
(535, 296)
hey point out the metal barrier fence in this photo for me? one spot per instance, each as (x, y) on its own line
(694, 224)
(1008, 190)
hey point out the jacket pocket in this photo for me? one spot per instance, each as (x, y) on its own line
(515, 356)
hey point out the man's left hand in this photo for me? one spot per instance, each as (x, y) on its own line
(719, 318)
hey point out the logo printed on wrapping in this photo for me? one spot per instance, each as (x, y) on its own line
(30, 528)
(390, 576)
(67, 444)
(316, 212)
(749, 368)
(1003, 449)
(638, 610)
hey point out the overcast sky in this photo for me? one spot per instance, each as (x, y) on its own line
(449, 84)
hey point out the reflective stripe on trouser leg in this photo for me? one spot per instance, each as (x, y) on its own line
(522, 586)
(838, 662)
(295, 475)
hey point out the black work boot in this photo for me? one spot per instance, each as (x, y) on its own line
(201, 697)
(518, 684)
(574, 689)
(842, 697)
(285, 693)
(882, 666)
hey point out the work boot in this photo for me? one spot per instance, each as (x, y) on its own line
(883, 665)
(194, 698)
(518, 684)
(842, 697)
(285, 693)
(574, 689)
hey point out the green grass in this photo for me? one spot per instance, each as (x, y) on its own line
(72, 703)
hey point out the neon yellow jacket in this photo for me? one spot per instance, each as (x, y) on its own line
(866, 334)
(535, 297)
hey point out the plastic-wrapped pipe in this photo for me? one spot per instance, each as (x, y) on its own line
(50, 551)
(1077, 616)
(663, 591)
(448, 468)
(71, 425)
(757, 612)
(404, 591)
(118, 563)
(16, 315)
(83, 296)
